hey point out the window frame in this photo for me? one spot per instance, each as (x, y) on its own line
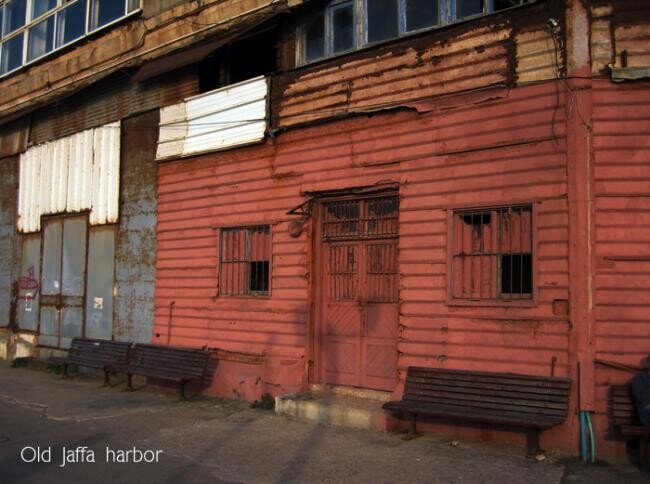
(531, 301)
(31, 22)
(447, 15)
(247, 227)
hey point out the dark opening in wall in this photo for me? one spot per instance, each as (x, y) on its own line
(253, 56)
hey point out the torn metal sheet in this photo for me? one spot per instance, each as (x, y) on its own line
(231, 116)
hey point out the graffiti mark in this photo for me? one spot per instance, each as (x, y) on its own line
(28, 283)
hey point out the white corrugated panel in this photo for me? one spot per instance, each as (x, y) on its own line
(106, 175)
(230, 116)
(81, 170)
(72, 174)
(29, 212)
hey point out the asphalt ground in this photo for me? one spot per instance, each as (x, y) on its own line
(58, 431)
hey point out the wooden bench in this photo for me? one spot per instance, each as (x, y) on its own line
(94, 353)
(625, 417)
(533, 403)
(180, 365)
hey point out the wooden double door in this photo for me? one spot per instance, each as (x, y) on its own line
(359, 292)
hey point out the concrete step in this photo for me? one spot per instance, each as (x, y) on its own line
(340, 406)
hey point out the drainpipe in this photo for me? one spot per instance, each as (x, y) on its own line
(577, 90)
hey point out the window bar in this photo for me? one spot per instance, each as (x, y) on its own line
(480, 257)
(510, 252)
(521, 251)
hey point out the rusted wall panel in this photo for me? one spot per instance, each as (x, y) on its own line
(515, 154)
(537, 56)
(130, 43)
(506, 48)
(432, 66)
(8, 240)
(136, 241)
(115, 98)
(622, 235)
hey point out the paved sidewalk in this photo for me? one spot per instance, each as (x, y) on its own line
(217, 441)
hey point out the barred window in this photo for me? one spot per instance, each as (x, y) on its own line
(244, 261)
(492, 254)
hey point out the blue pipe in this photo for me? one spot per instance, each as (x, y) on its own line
(591, 438)
(583, 437)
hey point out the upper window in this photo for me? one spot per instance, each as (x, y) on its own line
(244, 261)
(340, 26)
(31, 29)
(491, 254)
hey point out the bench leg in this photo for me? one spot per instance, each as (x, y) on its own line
(65, 371)
(643, 454)
(412, 432)
(532, 441)
(182, 393)
(107, 383)
(129, 382)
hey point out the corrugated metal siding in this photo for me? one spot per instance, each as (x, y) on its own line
(114, 98)
(79, 172)
(498, 152)
(621, 129)
(227, 117)
(537, 58)
(394, 75)
(8, 168)
(135, 256)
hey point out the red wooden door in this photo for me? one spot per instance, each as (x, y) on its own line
(359, 296)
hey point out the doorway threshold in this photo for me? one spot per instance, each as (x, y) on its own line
(351, 407)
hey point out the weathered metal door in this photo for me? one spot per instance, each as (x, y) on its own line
(359, 296)
(63, 281)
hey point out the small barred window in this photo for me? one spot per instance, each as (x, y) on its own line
(244, 261)
(492, 257)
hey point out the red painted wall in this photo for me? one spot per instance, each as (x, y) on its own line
(621, 128)
(505, 147)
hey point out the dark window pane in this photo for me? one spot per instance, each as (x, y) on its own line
(259, 276)
(41, 39)
(315, 38)
(15, 12)
(70, 23)
(516, 274)
(466, 8)
(2, 11)
(383, 20)
(503, 4)
(39, 7)
(12, 54)
(421, 14)
(103, 12)
(342, 28)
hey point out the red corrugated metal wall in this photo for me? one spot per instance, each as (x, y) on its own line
(622, 235)
(506, 150)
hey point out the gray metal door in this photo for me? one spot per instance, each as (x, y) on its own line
(63, 281)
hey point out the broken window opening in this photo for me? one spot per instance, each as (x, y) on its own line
(245, 59)
(492, 254)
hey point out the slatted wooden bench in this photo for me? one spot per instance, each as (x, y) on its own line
(533, 403)
(94, 353)
(180, 365)
(625, 417)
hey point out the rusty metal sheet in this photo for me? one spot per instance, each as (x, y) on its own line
(7, 234)
(14, 137)
(135, 251)
(99, 294)
(29, 283)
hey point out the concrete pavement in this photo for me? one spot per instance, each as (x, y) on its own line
(209, 440)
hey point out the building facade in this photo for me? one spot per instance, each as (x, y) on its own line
(331, 192)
